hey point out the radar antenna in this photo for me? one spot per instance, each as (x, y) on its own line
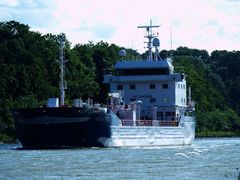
(149, 36)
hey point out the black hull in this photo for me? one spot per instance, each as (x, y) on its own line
(49, 128)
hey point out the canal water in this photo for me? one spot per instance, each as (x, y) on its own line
(205, 159)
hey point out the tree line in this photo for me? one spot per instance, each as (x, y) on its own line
(30, 75)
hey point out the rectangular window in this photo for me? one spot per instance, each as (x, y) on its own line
(132, 99)
(164, 86)
(133, 72)
(167, 113)
(152, 86)
(164, 100)
(152, 100)
(120, 87)
(160, 115)
(132, 86)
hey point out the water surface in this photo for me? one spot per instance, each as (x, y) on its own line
(204, 159)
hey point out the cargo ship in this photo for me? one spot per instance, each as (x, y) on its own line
(148, 105)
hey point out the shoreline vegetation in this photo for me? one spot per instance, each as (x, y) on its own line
(30, 75)
(217, 134)
(5, 139)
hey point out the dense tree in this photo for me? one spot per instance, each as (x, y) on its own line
(210, 90)
(227, 66)
(80, 78)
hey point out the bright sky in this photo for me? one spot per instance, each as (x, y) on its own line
(201, 24)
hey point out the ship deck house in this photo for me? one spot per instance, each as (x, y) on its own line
(152, 82)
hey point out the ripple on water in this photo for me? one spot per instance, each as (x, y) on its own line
(205, 159)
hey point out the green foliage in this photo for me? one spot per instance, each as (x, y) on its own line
(6, 138)
(226, 121)
(81, 79)
(214, 97)
(202, 86)
(204, 134)
(227, 66)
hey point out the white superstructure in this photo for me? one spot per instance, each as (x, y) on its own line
(153, 107)
(153, 82)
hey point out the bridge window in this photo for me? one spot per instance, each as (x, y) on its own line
(160, 115)
(164, 86)
(152, 100)
(168, 113)
(152, 86)
(120, 87)
(165, 100)
(134, 72)
(132, 86)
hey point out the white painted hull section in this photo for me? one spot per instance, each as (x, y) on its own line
(152, 136)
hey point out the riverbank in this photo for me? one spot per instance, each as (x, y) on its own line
(217, 134)
(4, 138)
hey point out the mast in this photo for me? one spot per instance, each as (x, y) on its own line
(149, 36)
(62, 62)
(171, 39)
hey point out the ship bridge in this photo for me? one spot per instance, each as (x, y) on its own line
(128, 68)
(144, 71)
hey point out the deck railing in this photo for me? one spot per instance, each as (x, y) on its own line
(163, 123)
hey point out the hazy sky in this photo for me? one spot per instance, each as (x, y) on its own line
(202, 24)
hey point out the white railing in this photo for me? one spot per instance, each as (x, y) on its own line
(163, 123)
